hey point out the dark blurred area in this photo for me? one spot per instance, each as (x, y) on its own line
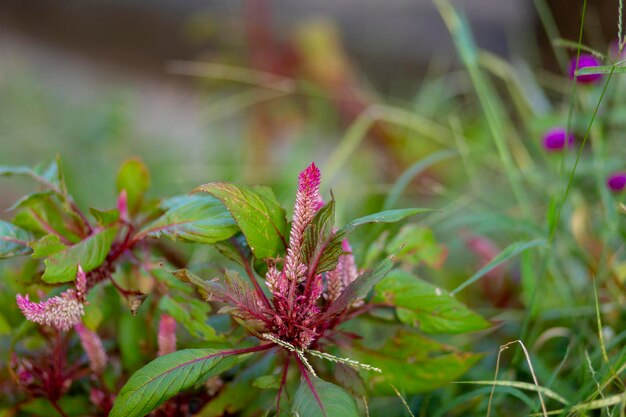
(94, 77)
(391, 38)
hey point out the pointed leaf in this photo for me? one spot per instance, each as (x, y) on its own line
(335, 400)
(387, 216)
(201, 219)
(317, 235)
(13, 240)
(361, 286)
(258, 214)
(30, 199)
(422, 305)
(135, 179)
(89, 253)
(507, 253)
(166, 376)
(412, 363)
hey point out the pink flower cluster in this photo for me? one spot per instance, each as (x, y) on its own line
(297, 292)
(62, 311)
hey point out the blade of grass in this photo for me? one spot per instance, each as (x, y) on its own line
(507, 253)
(521, 385)
(486, 97)
(532, 372)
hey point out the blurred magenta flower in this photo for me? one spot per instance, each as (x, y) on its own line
(616, 181)
(584, 61)
(557, 139)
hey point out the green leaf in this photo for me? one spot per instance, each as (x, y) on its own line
(13, 240)
(47, 246)
(387, 216)
(166, 376)
(258, 214)
(412, 363)
(335, 400)
(48, 176)
(267, 382)
(201, 219)
(193, 318)
(507, 253)
(43, 215)
(133, 177)
(422, 305)
(317, 235)
(30, 199)
(361, 286)
(417, 244)
(106, 217)
(89, 253)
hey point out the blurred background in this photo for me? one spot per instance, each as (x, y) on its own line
(97, 82)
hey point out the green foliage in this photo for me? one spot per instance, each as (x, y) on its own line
(166, 376)
(89, 253)
(200, 219)
(134, 178)
(257, 213)
(334, 400)
(425, 306)
(13, 240)
(413, 363)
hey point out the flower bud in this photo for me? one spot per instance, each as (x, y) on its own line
(557, 139)
(616, 182)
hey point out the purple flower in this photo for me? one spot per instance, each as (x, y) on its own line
(62, 311)
(557, 139)
(616, 181)
(584, 61)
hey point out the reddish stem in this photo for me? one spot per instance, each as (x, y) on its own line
(307, 379)
(257, 287)
(283, 382)
(46, 226)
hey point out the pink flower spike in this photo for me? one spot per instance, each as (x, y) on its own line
(122, 206)
(61, 312)
(308, 202)
(81, 283)
(167, 335)
(93, 347)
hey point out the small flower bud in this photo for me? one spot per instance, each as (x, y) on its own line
(122, 206)
(167, 335)
(93, 347)
(584, 61)
(616, 182)
(557, 139)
